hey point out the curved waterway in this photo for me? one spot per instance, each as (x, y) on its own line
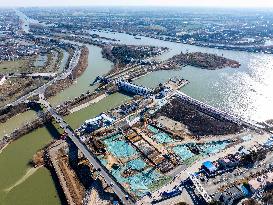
(39, 187)
(96, 66)
(245, 91)
(15, 122)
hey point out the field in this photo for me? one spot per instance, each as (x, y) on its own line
(27, 64)
(21, 65)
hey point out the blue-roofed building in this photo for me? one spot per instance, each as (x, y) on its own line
(245, 191)
(209, 167)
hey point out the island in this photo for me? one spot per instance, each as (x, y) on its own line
(204, 60)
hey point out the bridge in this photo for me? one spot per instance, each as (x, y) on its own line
(110, 180)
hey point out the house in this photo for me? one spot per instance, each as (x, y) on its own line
(261, 182)
(209, 167)
(229, 161)
(93, 124)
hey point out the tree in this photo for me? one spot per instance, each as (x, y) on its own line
(215, 203)
(182, 203)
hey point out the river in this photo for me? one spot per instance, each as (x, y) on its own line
(245, 91)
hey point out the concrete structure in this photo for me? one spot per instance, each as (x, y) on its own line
(230, 195)
(132, 88)
(216, 113)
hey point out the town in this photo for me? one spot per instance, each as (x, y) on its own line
(113, 139)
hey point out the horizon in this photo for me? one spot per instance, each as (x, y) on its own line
(140, 3)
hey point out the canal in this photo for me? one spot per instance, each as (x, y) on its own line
(242, 91)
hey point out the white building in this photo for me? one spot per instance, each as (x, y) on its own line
(3, 79)
(132, 88)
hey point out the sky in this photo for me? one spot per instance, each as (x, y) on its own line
(205, 3)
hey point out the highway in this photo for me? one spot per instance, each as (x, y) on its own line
(110, 180)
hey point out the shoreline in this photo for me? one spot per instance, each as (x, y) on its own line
(4, 147)
(84, 105)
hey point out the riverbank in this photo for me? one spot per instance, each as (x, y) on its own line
(2, 148)
(58, 161)
(85, 105)
(204, 61)
(15, 159)
(77, 71)
(202, 87)
(10, 111)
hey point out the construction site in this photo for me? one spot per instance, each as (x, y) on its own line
(146, 148)
(136, 149)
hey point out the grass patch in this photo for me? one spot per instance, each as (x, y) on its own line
(159, 183)
(21, 65)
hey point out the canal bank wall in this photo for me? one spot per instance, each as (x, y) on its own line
(10, 111)
(72, 189)
(84, 105)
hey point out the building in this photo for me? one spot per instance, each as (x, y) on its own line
(98, 122)
(126, 109)
(261, 182)
(229, 161)
(231, 195)
(132, 88)
(209, 167)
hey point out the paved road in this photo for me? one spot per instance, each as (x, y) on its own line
(110, 180)
(19, 75)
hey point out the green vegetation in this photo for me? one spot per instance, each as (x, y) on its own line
(21, 65)
(159, 183)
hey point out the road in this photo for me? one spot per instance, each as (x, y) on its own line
(72, 64)
(22, 75)
(110, 180)
(183, 175)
